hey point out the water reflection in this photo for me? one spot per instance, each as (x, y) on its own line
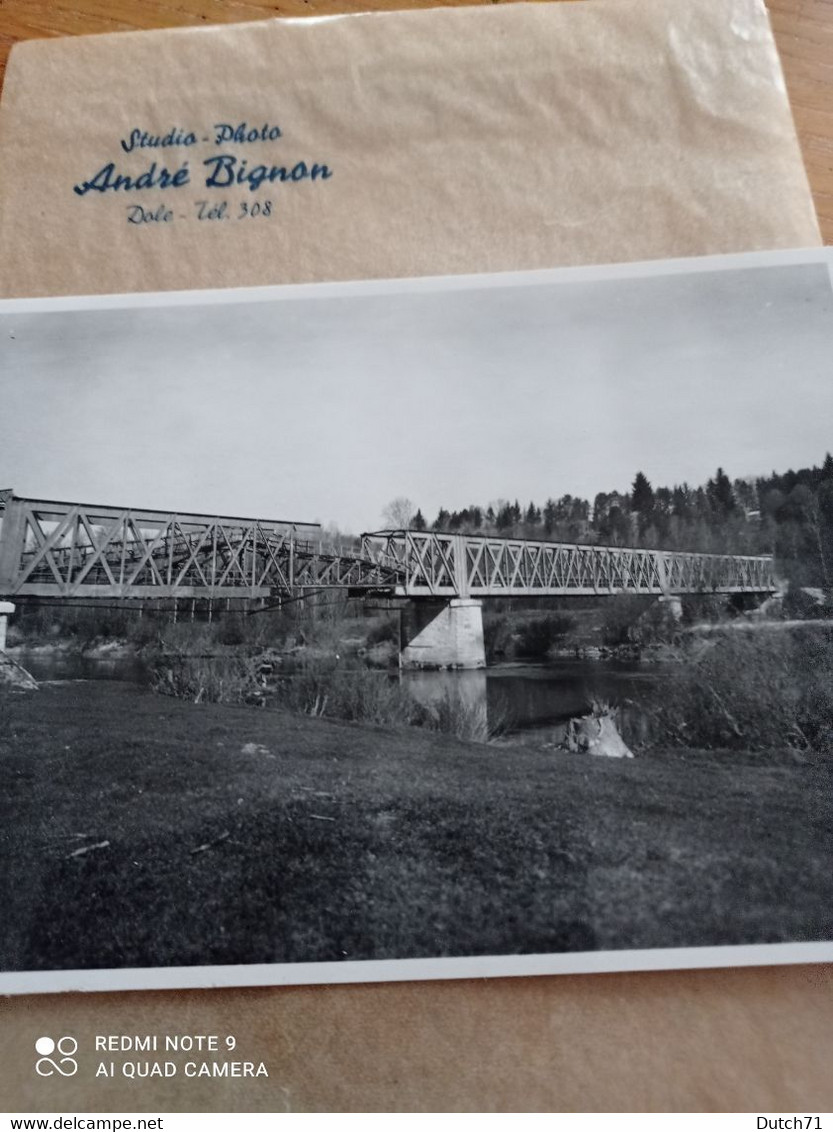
(525, 696)
(60, 665)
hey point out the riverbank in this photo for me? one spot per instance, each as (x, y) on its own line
(754, 685)
(145, 831)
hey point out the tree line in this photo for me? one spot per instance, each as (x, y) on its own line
(789, 514)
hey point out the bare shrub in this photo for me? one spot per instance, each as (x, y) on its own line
(143, 632)
(497, 635)
(231, 629)
(814, 666)
(537, 636)
(466, 719)
(184, 637)
(710, 608)
(383, 632)
(633, 619)
(207, 679)
(753, 691)
(621, 616)
(82, 627)
(801, 605)
(323, 688)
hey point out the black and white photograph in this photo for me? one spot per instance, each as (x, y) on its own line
(475, 625)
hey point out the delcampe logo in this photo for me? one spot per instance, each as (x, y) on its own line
(64, 1063)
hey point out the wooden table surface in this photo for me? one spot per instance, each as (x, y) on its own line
(803, 30)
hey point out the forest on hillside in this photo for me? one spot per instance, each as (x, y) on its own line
(788, 514)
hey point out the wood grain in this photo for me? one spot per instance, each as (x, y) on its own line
(803, 32)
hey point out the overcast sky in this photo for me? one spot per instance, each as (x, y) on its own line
(327, 408)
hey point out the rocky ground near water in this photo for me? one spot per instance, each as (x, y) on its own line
(14, 676)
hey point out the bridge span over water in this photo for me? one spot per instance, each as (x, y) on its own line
(69, 551)
(431, 564)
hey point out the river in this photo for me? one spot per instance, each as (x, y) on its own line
(529, 697)
(519, 697)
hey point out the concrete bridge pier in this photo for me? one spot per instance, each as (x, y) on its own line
(442, 634)
(6, 609)
(12, 674)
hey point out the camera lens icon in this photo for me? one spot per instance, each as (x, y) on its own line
(65, 1064)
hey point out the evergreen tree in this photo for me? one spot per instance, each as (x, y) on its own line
(533, 515)
(549, 516)
(642, 502)
(504, 518)
(825, 531)
(720, 494)
(681, 501)
(642, 495)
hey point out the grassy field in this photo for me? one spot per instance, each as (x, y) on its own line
(237, 835)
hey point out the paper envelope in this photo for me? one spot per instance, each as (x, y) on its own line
(406, 143)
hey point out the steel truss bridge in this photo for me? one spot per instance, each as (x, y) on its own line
(430, 564)
(50, 549)
(79, 550)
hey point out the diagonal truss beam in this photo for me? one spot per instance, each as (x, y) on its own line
(436, 564)
(55, 549)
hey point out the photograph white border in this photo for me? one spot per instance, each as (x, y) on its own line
(427, 284)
